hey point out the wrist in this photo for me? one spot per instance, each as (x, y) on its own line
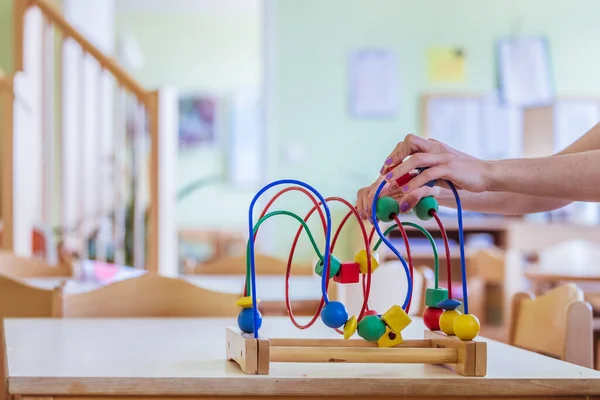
(492, 175)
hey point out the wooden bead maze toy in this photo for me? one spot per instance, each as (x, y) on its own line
(449, 340)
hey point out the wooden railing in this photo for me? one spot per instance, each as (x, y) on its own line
(6, 129)
(90, 140)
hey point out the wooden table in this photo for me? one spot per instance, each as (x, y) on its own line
(166, 358)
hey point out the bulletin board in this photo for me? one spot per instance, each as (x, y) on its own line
(477, 124)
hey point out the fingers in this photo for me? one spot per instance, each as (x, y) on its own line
(419, 160)
(430, 174)
(410, 145)
(371, 195)
(360, 203)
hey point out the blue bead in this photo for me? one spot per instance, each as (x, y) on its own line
(334, 314)
(449, 304)
(246, 320)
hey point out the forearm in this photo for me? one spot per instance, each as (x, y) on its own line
(500, 203)
(573, 177)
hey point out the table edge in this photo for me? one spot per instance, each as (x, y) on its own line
(274, 385)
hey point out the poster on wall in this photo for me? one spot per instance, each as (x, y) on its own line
(524, 71)
(373, 83)
(197, 118)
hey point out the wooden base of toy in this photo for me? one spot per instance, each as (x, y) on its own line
(467, 358)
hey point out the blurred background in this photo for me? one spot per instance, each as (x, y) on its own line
(257, 90)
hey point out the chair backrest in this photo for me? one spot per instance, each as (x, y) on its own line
(150, 296)
(20, 300)
(487, 263)
(264, 264)
(558, 324)
(21, 267)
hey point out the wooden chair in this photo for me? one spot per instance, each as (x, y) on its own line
(19, 300)
(20, 267)
(558, 324)
(486, 279)
(265, 265)
(149, 296)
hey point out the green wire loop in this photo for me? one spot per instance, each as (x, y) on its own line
(427, 235)
(259, 223)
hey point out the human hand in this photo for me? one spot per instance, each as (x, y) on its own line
(364, 197)
(441, 162)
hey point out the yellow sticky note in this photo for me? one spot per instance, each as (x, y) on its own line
(445, 64)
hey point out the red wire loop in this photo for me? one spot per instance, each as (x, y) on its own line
(447, 246)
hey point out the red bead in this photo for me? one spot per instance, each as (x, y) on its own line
(349, 273)
(403, 180)
(371, 312)
(431, 318)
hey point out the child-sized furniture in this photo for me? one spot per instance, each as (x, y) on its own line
(150, 295)
(557, 323)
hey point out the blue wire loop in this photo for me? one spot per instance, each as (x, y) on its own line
(461, 243)
(251, 239)
(390, 245)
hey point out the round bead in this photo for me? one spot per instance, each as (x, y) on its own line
(387, 207)
(466, 326)
(350, 327)
(431, 318)
(371, 328)
(334, 314)
(246, 320)
(371, 312)
(424, 206)
(449, 304)
(334, 266)
(447, 321)
(433, 297)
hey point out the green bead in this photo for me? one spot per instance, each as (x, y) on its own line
(371, 328)
(386, 209)
(334, 267)
(425, 205)
(434, 296)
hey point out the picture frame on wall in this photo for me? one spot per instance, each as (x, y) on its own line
(198, 120)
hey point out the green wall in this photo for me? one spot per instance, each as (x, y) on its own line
(313, 38)
(6, 37)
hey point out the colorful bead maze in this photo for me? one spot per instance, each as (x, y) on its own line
(381, 334)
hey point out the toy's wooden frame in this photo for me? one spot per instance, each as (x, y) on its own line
(467, 358)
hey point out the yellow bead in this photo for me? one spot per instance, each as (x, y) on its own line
(389, 338)
(350, 327)
(447, 321)
(361, 259)
(396, 319)
(466, 326)
(245, 302)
